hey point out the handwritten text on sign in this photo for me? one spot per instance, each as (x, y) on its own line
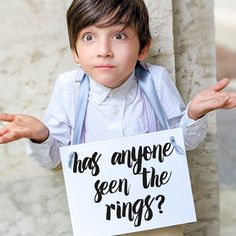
(128, 184)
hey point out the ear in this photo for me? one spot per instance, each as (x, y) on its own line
(75, 56)
(144, 52)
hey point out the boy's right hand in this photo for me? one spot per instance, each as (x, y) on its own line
(22, 126)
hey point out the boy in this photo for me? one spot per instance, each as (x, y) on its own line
(109, 39)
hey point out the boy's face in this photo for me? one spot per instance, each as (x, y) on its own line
(108, 54)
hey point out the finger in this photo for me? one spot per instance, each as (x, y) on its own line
(208, 97)
(232, 94)
(7, 117)
(231, 103)
(220, 85)
(3, 131)
(216, 103)
(8, 137)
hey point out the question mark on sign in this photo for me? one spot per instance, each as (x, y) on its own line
(162, 197)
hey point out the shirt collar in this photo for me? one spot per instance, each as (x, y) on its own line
(100, 92)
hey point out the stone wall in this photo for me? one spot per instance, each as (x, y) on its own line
(195, 69)
(34, 50)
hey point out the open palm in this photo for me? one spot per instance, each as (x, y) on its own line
(22, 126)
(211, 99)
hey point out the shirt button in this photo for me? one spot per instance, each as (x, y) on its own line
(116, 111)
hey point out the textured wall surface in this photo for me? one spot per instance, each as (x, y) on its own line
(161, 24)
(34, 50)
(195, 69)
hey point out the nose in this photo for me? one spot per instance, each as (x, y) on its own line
(104, 48)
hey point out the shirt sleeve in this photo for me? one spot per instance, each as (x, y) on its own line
(194, 131)
(176, 111)
(47, 153)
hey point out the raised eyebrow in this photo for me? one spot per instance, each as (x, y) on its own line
(81, 35)
(118, 31)
(123, 28)
(85, 32)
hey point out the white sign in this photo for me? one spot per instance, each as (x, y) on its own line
(128, 184)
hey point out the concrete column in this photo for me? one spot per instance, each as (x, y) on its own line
(195, 69)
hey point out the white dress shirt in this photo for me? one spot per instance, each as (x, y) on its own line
(123, 111)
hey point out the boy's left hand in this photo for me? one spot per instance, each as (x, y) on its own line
(211, 99)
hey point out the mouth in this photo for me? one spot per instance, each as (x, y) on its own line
(104, 67)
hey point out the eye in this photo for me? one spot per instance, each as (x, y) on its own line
(88, 37)
(119, 36)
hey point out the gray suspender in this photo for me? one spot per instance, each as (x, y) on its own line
(146, 84)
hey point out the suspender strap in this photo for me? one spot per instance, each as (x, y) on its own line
(146, 84)
(81, 109)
